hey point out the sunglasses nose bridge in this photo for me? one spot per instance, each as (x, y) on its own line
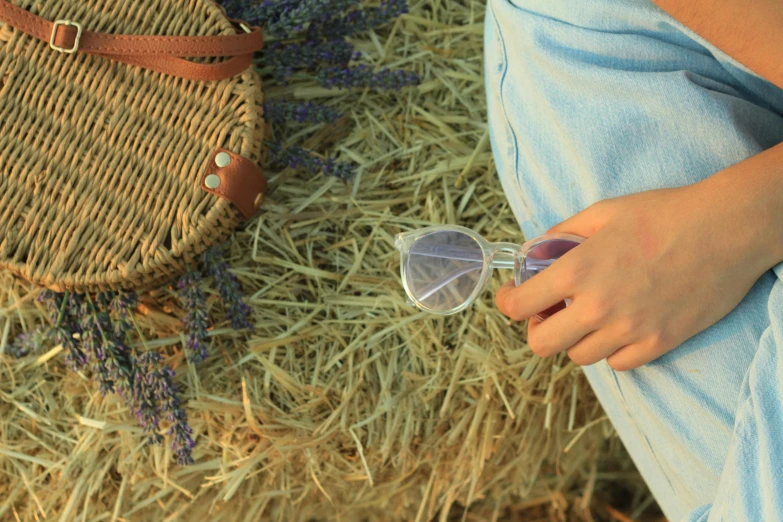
(508, 247)
(503, 255)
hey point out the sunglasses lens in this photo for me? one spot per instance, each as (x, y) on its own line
(540, 257)
(443, 269)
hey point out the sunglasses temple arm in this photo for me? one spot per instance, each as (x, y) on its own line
(503, 260)
(438, 285)
(496, 263)
(506, 260)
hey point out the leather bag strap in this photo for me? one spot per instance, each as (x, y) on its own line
(164, 54)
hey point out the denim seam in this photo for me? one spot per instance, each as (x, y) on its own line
(641, 432)
(501, 99)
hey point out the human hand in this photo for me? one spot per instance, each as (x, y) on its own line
(657, 268)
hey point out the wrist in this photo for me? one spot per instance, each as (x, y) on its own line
(749, 198)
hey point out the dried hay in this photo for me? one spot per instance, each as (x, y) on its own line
(344, 403)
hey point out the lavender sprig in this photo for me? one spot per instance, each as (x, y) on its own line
(296, 157)
(75, 358)
(282, 59)
(282, 18)
(146, 386)
(160, 380)
(255, 13)
(30, 342)
(146, 406)
(65, 326)
(280, 113)
(116, 362)
(121, 304)
(92, 344)
(312, 34)
(359, 21)
(363, 76)
(228, 287)
(53, 302)
(195, 303)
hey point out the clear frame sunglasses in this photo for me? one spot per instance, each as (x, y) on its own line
(446, 267)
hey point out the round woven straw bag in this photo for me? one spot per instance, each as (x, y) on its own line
(130, 134)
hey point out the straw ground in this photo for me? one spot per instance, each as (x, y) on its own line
(344, 403)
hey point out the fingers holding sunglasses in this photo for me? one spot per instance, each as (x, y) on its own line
(517, 303)
(560, 332)
(538, 293)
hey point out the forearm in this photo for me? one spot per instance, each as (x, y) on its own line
(750, 31)
(749, 195)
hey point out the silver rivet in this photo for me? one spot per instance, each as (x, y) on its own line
(223, 160)
(212, 181)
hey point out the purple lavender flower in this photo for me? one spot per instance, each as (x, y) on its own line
(140, 396)
(30, 342)
(195, 303)
(363, 76)
(146, 386)
(75, 302)
(111, 357)
(297, 157)
(253, 12)
(257, 12)
(121, 304)
(161, 381)
(327, 23)
(146, 407)
(228, 288)
(285, 17)
(358, 21)
(280, 113)
(293, 157)
(338, 169)
(75, 358)
(92, 344)
(282, 59)
(114, 361)
(63, 315)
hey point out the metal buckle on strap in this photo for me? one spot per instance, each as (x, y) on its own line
(65, 23)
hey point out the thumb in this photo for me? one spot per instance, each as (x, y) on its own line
(585, 223)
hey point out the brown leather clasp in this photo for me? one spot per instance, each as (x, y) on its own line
(235, 178)
(165, 54)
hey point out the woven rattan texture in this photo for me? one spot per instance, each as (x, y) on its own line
(100, 162)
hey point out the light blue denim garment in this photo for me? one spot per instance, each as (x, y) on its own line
(592, 100)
